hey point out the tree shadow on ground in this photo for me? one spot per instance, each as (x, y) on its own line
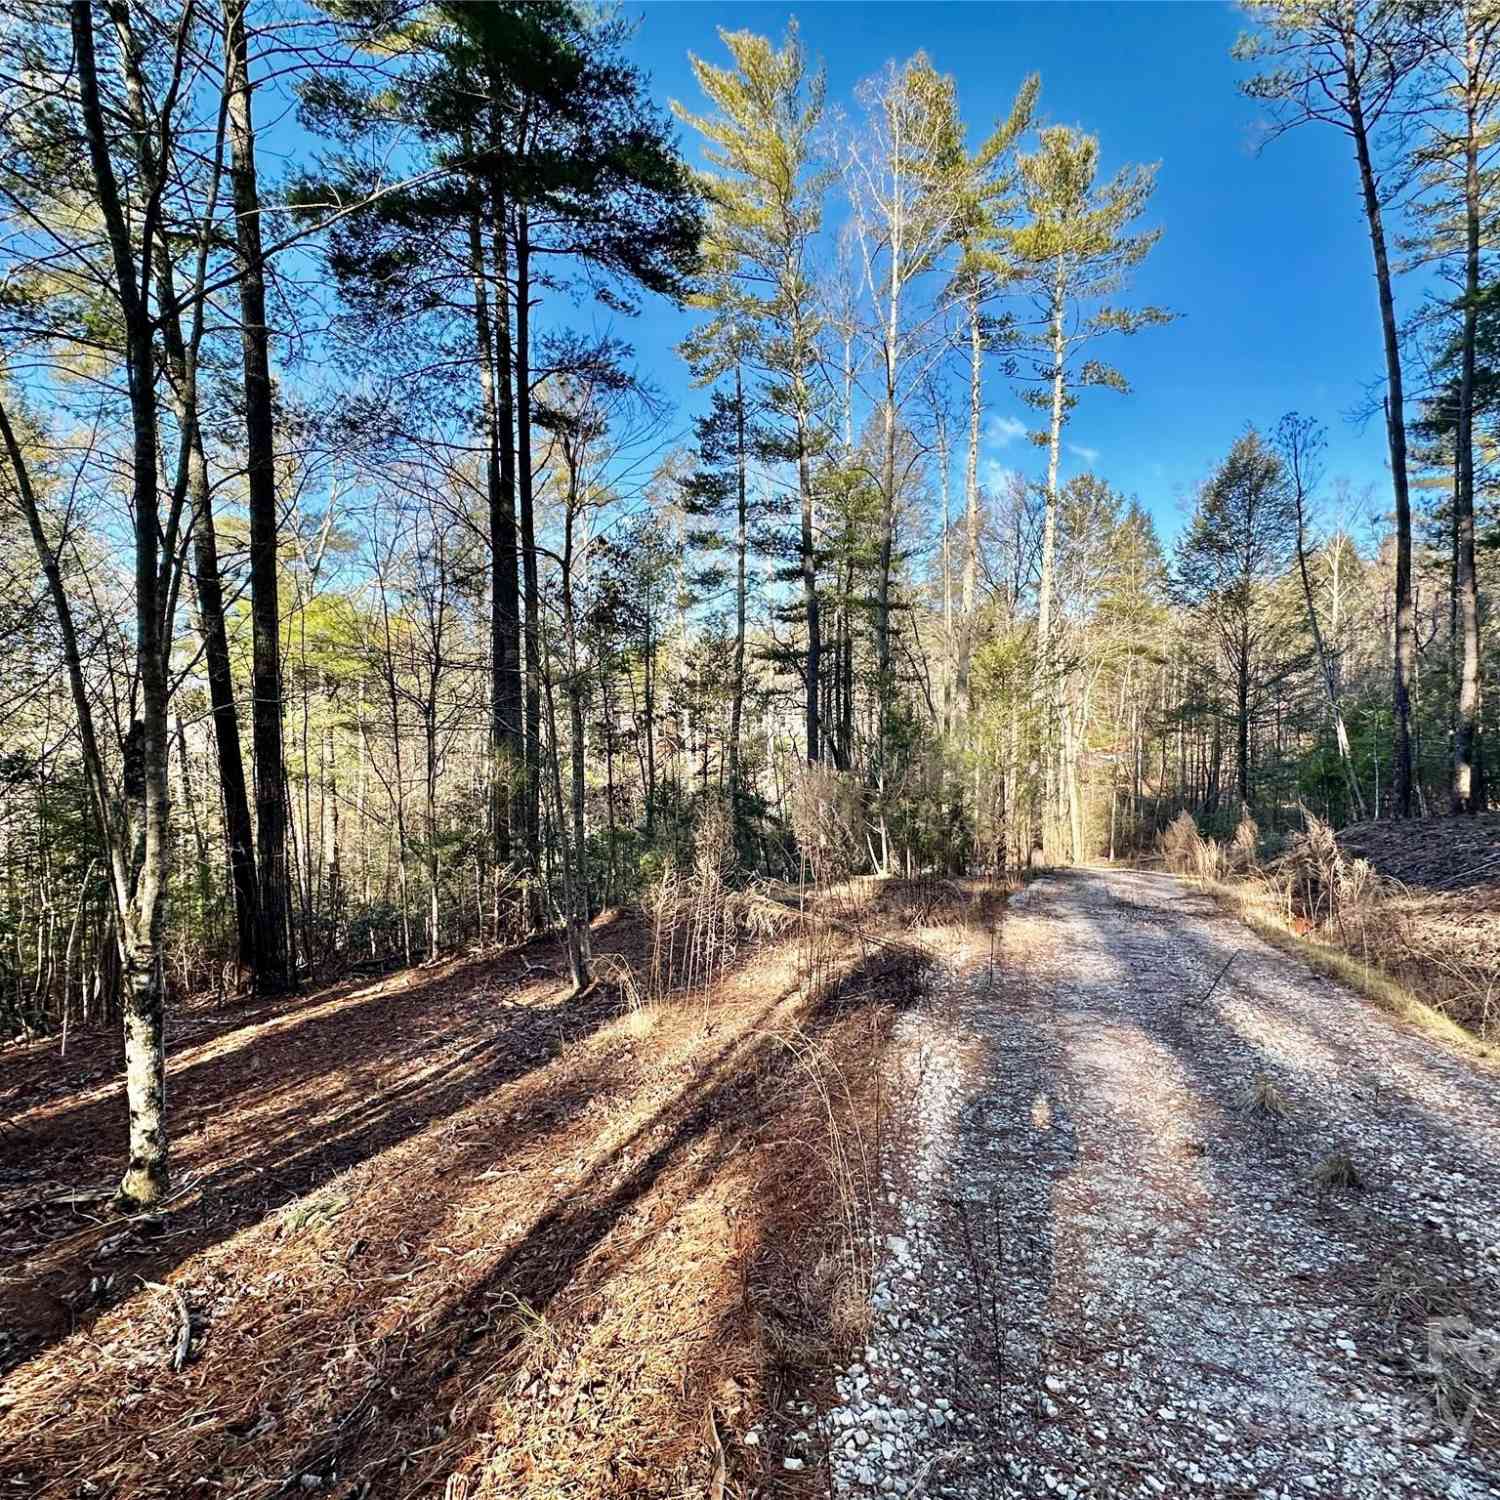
(270, 1119)
(1235, 1018)
(1113, 1218)
(430, 1349)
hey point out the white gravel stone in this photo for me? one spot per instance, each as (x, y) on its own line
(1078, 1159)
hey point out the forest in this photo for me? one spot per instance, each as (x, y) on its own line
(634, 863)
(364, 602)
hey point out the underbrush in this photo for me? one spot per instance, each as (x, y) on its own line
(1409, 952)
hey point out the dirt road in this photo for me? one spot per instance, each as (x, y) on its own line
(1178, 1217)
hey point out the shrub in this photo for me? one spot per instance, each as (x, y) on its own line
(827, 813)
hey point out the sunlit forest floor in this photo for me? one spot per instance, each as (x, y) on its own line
(454, 1233)
(990, 1191)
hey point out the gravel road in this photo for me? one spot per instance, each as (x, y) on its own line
(1125, 1255)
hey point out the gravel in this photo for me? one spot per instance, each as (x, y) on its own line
(1102, 1275)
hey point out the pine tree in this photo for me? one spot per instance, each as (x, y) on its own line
(982, 275)
(1074, 249)
(1455, 162)
(718, 495)
(765, 209)
(1240, 541)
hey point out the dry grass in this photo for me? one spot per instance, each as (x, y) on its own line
(1463, 1363)
(1263, 1100)
(1260, 910)
(1407, 1291)
(1336, 1173)
(1415, 902)
(812, 1316)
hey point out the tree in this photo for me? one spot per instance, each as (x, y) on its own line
(1074, 249)
(598, 178)
(1237, 545)
(544, 147)
(1299, 441)
(274, 966)
(131, 198)
(597, 417)
(718, 490)
(182, 362)
(765, 209)
(983, 272)
(1344, 63)
(905, 171)
(1455, 161)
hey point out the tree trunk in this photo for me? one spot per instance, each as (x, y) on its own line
(741, 545)
(208, 588)
(571, 817)
(238, 829)
(1054, 453)
(648, 684)
(1465, 580)
(485, 350)
(140, 858)
(1045, 716)
(524, 480)
(273, 972)
(1325, 658)
(971, 507)
(945, 501)
(1395, 426)
(430, 818)
(887, 545)
(398, 787)
(1242, 717)
(809, 588)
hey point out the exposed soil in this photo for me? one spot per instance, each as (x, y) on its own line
(1175, 1223)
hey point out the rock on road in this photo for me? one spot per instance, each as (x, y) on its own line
(1122, 1258)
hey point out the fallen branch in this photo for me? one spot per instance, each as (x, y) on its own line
(1204, 998)
(184, 1343)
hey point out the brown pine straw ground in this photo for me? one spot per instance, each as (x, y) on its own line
(452, 1234)
(1433, 923)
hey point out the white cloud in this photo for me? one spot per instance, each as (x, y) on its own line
(1090, 456)
(1003, 431)
(996, 476)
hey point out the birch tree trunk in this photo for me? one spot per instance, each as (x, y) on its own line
(141, 851)
(1466, 592)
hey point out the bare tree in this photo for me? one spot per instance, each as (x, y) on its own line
(1299, 441)
(1344, 63)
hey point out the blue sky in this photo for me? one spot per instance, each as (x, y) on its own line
(1265, 256)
